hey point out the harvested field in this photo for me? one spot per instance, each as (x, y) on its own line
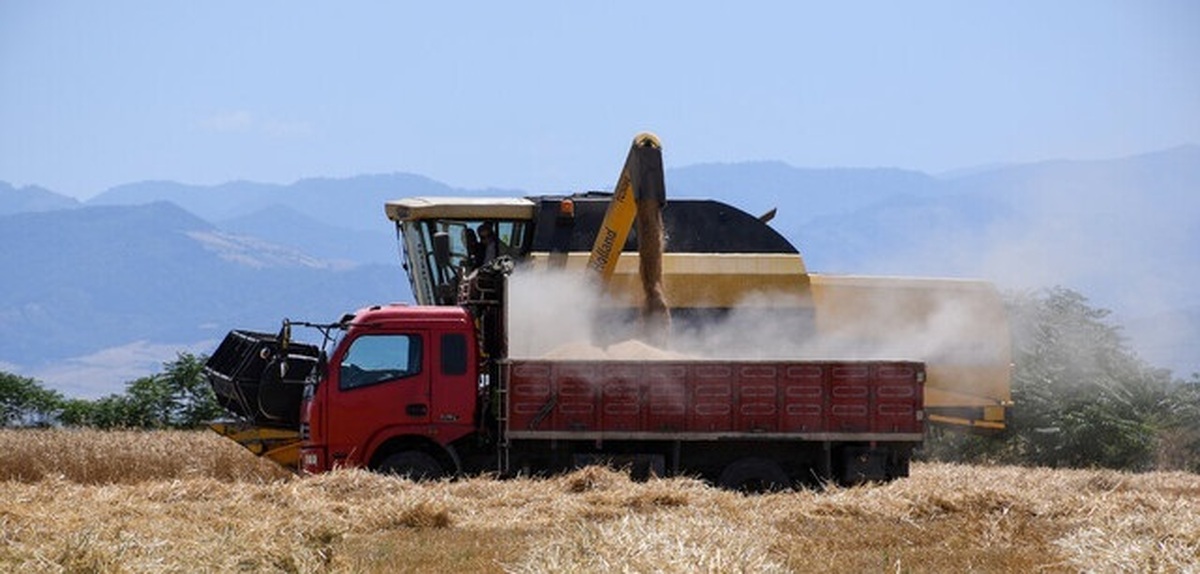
(81, 501)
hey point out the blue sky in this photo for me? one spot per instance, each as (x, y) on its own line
(545, 96)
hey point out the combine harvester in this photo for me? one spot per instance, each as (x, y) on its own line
(860, 364)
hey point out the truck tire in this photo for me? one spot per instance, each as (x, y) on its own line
(755, 475)
(412, 464)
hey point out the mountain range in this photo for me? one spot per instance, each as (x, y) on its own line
(96, 293)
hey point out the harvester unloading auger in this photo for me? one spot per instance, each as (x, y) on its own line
(639, 196)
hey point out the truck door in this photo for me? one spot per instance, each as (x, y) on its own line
(453, 387)
(382, 381)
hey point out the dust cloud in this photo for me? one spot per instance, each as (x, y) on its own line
(548, 309)
(562, 315)
(1123, 233)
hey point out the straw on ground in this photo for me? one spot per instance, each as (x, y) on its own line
(83, 501)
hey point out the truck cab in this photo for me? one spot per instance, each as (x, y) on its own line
(408, 375)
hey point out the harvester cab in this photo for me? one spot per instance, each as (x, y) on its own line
(442, 240)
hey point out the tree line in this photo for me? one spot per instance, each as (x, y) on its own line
(1081, 398)
(179, 397)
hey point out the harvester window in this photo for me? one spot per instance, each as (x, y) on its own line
(457, 240)
(469, 243)
(378, 358)
(508, 238)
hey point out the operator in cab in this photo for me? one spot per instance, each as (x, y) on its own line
(490, 246)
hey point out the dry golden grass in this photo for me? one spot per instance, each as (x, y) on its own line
(191, 502)
(126, 457)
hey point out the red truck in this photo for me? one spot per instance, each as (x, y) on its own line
(412, 390)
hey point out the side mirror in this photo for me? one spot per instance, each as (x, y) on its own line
(441, 249)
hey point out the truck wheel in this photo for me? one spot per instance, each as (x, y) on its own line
(412, 464)
(754, 475)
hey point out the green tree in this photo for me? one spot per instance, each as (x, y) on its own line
(177, 397)
(111, 412)
(1179, 440)
(194, 401)
(77, 413)
(1081, 397)
(150, 403)
(24, 402)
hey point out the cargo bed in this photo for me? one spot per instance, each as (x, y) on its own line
(714, 400)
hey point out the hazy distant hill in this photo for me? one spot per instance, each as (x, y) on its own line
(157, 266)
(285, 225)
(352, 203)
(802, 194)
(31, 198)
(92, 278)
(332, 218)
(1123, 231)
